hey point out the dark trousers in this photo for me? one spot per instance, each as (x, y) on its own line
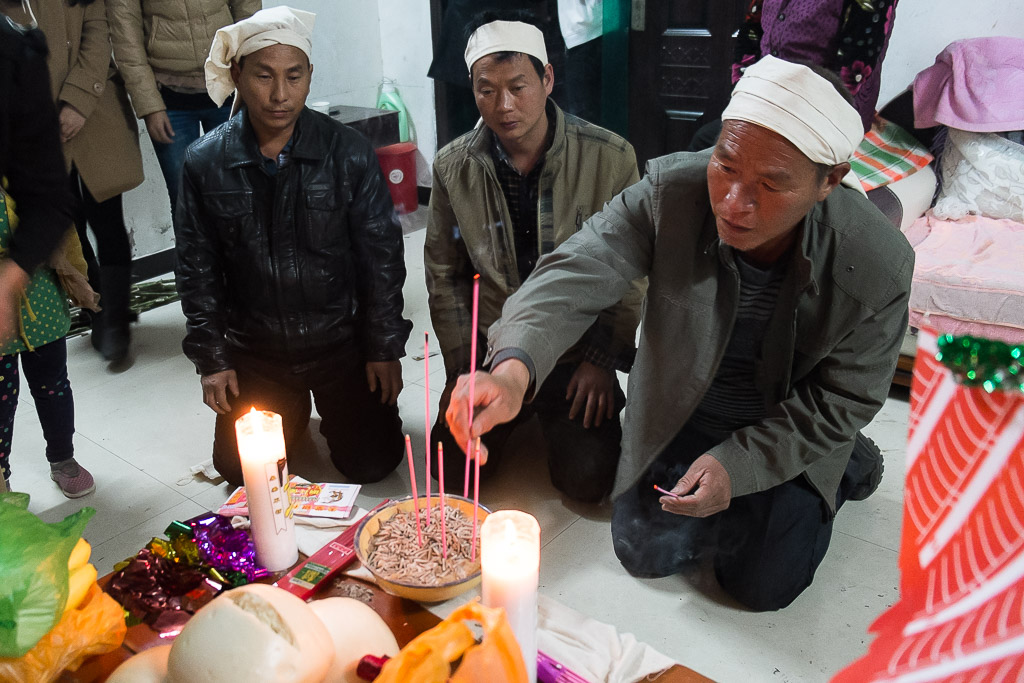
(111, 275)
(106, 220)
(46, 370)
(364, 435)
(582, 462)
(766, 545)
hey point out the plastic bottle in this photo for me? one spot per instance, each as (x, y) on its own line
(391, 100)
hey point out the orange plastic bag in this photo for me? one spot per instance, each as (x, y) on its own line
(96, 627)
(428, 657)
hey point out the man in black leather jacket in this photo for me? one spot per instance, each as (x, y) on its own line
(290, 270)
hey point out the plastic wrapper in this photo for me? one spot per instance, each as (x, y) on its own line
(96, 627)
(428, 658)
(152, 584)
(227, 550)
(171, 578)
(34, 566)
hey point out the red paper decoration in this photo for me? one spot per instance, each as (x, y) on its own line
(960, 616)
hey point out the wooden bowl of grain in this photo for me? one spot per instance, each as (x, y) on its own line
(387, 546)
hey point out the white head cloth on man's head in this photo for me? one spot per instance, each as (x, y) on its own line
(505, 36)
(799, 105)
(274, 26)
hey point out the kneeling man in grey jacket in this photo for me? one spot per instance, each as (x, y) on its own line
(776, 305)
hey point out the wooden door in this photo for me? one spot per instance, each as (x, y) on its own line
(680, 59)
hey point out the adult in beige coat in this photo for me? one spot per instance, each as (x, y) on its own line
(101, 150)
(160, 47)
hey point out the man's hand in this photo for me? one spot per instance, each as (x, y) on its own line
(71, 121)
(498, 397)
(159, 127)
(592, 387)
(388, 375)
(13, 281)
(704, 490)
(216, 388)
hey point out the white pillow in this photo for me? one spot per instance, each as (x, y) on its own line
(982, 173)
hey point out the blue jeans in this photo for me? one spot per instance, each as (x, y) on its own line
(186, 124)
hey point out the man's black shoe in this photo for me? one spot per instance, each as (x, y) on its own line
(865, 468)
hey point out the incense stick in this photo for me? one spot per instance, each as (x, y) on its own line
(667, 493)
(415, 495)
(472, 379)
(426, 401)
(476, 498)
(440, 490)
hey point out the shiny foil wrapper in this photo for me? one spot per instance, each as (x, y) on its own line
(225, 549)
(152, 584)
(173, 577)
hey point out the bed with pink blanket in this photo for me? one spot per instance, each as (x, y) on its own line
(969, 276)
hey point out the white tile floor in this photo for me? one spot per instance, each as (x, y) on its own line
(140, 430)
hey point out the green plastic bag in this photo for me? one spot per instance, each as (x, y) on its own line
(34, 570)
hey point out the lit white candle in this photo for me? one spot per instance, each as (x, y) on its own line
(510, 564)
(265, 473)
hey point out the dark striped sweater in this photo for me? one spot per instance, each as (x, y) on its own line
(733, 401)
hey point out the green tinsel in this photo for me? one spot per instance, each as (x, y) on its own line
(976, 362)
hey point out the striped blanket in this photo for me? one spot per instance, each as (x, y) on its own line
(886, 154)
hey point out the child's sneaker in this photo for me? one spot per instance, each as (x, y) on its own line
(73, 479)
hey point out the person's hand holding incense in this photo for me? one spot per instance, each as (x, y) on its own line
(704, 490)
(498, 398)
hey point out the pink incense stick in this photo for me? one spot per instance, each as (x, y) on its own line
(415, 495)
(440, 492)
(472, 380)
(667, 493)
(426, 400)
(476, 499)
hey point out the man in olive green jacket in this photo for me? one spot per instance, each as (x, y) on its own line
(515, 187)
(774, 314)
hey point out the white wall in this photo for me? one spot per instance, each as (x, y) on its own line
(346, 50)
(406, 53)
(356, 43)
(924, 27)
(147, 208)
